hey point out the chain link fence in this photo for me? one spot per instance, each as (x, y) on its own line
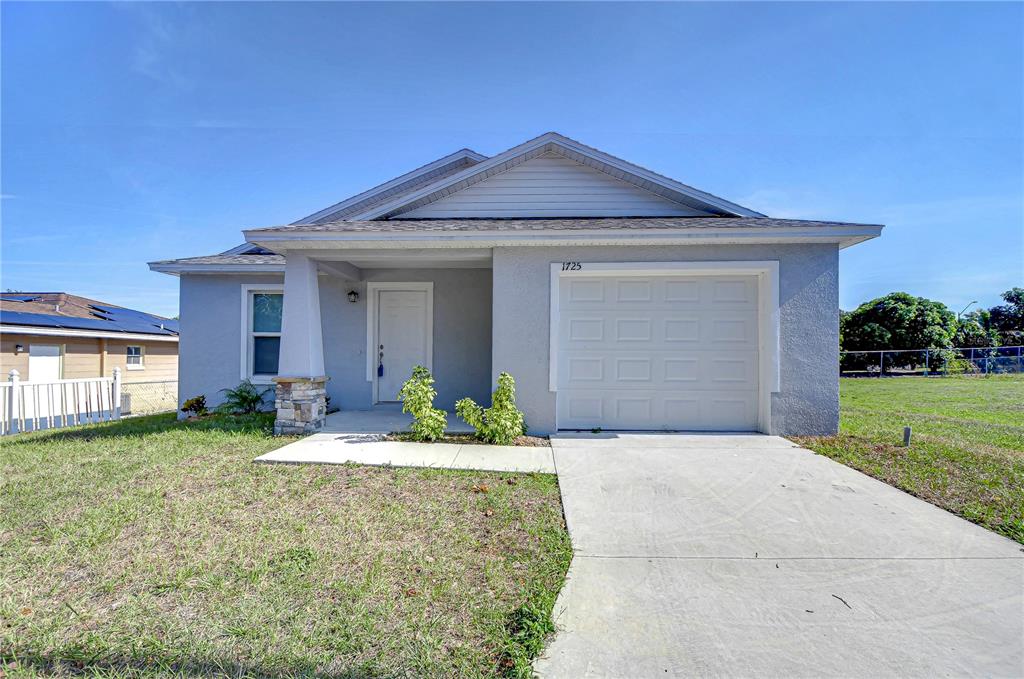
(146, 398)
(929, 362)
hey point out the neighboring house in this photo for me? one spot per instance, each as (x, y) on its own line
(48, 336)
(616, 297)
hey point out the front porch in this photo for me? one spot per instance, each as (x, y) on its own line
(354, 322)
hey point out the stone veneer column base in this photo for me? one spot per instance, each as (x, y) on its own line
(301, 404)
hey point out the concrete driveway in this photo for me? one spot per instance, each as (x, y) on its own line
(745, 555)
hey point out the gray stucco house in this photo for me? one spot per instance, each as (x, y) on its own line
(616, 297)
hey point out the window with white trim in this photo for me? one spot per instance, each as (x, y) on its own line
(264, 333)
(133, 357)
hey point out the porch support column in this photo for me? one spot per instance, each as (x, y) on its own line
(301, 395)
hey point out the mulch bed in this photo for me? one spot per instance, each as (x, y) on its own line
(470, 440)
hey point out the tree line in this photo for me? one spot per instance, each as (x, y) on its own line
(900, 321)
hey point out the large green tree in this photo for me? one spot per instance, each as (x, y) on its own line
(975, 330)
(897, 321)
(1008, 319)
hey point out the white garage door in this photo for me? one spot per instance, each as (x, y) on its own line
(658, 352)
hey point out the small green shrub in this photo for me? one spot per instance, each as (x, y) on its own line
(243, 399)
(417, 396)
(961, 366)
(502, 423)
(195, 405)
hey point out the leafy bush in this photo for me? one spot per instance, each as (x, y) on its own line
(195, 405)
(961, 366)
(897, 321)
(243, 399)
(417, 396)
(502, 423)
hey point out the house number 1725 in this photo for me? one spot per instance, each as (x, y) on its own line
(571, 266)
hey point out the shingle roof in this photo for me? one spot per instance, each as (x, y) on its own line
(227, 259)
(61, 310)
(521, 225)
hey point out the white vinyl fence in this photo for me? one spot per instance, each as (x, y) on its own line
(31, 406)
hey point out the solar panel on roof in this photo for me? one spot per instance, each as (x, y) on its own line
(141, 323)
(20, 298)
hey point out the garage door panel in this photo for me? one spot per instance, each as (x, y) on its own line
(634, 290)
(656, 327)
(733, 291)
(666, 370)
(653, 410)
(635, 369)
(658, 352)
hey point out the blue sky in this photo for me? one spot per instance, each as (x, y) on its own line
(135, 132)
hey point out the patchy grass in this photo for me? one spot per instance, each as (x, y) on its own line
(149, 547)
(967, 450)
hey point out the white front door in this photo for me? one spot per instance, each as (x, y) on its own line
(43, 362)
(402, 338)
(658, 352)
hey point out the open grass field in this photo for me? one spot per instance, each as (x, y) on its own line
(149, 547)
(967, 450)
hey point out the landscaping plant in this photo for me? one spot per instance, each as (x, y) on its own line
(502, 423)
(417, 396)
(244, 399)
(195, 406)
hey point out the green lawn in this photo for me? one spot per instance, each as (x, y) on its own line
(154, 548)
(967, 450)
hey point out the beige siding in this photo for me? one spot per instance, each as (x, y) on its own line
(159, 360)
(552, 186)
(9, 360)
(82, 357)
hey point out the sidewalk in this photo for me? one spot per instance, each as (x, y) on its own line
(368, 448)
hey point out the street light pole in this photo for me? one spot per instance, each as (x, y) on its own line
(965, 309)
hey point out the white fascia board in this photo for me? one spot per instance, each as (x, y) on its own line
(380, 188)
(558, 140)
(178, 269)
(844, 236)
(74, 332)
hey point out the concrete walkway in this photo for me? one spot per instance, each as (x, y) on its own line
(368, 448)
(745, 556)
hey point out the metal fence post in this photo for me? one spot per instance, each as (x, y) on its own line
(881, 363)
(116, 400)
(13, 404)
(926, 354)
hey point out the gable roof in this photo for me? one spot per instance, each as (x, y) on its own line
(62, 310)
(397, 187)
(394, 206)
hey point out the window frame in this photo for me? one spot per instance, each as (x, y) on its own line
(141, 365)
(248, 334)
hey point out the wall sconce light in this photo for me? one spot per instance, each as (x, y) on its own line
(18, 348)
(353, 296)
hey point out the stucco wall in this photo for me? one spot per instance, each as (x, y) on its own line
(211, 334)
(808, 402)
